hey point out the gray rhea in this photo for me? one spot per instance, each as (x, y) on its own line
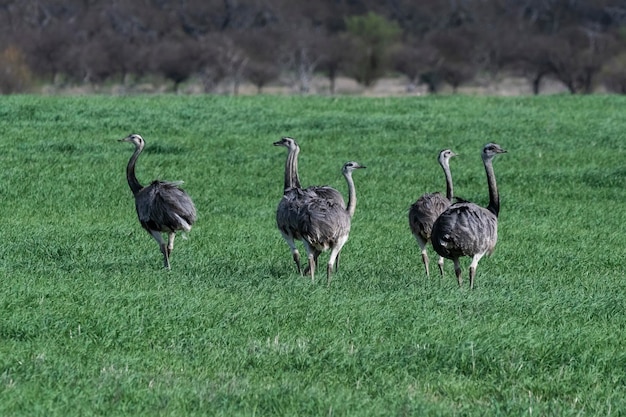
(287, 207)
(466, 229)
(162, 206)
(325, 223)
(294, 198)
(428, 207)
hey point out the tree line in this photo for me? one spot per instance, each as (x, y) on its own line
(581, 43)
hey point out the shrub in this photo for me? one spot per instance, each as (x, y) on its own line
(15, 76)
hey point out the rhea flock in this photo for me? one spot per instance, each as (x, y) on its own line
(428, 207)
(466, 229)
(162, 206)
(325, 223)
(294, 197)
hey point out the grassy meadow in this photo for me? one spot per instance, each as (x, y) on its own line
(90, 323)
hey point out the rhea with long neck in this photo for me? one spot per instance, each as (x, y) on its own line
(133, 182)
(444, 161)
(286, 211)
(425, 211)
(347, 173)
(466, 229)
(494, 197)
(328, 224)
(162, 207)
(291, 164)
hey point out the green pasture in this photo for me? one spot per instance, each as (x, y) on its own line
(90, 323)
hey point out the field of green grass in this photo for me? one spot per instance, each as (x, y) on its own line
(91, 324)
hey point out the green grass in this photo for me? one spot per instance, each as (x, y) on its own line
(90, 324)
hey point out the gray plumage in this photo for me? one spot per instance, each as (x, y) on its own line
(428, 207)
(324, 222)
(466, 229)
(285, 213)
(162, 206)
(294, 198)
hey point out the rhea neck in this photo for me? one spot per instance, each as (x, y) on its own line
(351, 193)
(291, 169)
(449, 188)
(494, 198)
(134, 184)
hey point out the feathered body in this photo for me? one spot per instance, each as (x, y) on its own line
(165, 207)
(324, 223)
(428, 207)
(466, 229)
(162, 206)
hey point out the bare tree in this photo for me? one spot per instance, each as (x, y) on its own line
(574, 57)
(262, 65)
(176, 61)
(333, 57)
(46, 50)
(455, 56)
(614, 74)
(418, 61)
(371, 36)
(301, 55)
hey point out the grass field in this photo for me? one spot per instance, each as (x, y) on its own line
(90, 323)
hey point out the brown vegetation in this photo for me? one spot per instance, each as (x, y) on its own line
(439, 44)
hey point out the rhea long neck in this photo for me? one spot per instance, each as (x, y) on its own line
(351, 194)
(448, 174)
(494, 198)
(291, 170)
(130, 170)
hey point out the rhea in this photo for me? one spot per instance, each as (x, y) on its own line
(466, 229)
(324, 223)
(428, 207)
(162, 206)
(294, 198)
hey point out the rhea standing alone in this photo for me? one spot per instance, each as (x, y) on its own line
(428, 207)
(466, 229)
(162, 206)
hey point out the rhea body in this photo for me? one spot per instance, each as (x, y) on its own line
(162, 206)
(466, 229)
(324, 223)
(428, 207)
(295, 198)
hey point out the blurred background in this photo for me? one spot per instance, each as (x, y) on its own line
(312, 46)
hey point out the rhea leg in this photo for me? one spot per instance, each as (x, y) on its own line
(440, 263)
(162, 245)
(457, 271)
(334, 254)
(422, 244)
(312, 256)
(170, 243)
(316, 255)
(294, 251)
(473, 267)
(337, 262)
